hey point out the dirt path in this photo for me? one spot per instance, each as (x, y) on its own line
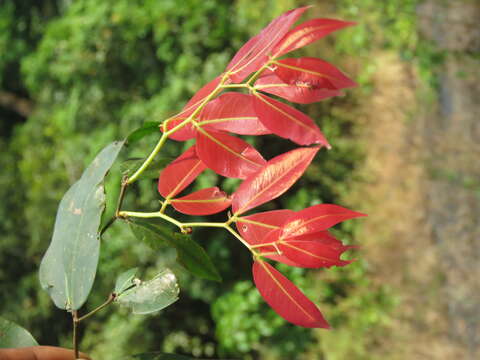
(398, 237)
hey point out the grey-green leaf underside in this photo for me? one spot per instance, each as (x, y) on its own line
(69, 266)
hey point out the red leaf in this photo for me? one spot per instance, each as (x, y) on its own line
(188, 131)
(323, 237)
(316, 218)
(180, 173)
(313, 254)
(202, 202)
(254, 228)
(306, 33)
(272, 180)
(227, 155)
(262, 228)
(312, 72)
(273, 251)
(300, 93)
(287, 122)
(254, 53)
(285, 298)
(232, 112)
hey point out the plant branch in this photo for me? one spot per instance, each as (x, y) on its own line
(257, 73)
(75, 336)
(119, 205)
(166, 134)
(110, 299)
(237, 235)
(147, 215)
(149, 159)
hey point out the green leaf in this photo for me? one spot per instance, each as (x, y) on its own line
(14, 336)
(129, 166)
(159, 356)
(149, 127)
(194, 258)
(189, 254)
(125, 280)
(152, 295)
(69, 266)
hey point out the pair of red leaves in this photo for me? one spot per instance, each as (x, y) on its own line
(294, 238)
(267, 183)
(297, 239)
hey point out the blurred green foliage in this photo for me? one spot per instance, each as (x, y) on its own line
(97, 70)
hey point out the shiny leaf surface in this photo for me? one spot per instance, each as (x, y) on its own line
(180, 173)
(308, 32)
(301, 93)
(202, 202)
(316, 218)
(287, 122)
(285, 298)
(227, 155)
(232, 112)
(255, 228)
(272, 180)
(312, 72)
(254, 53)
(313, 254)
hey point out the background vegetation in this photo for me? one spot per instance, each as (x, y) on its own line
(75, 75)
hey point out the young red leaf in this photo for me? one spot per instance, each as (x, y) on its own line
(285, 298)
(301, 93)
(263, 228)
(287, 122)
(227, 155)
(323, 237)
(316, 218)
(272, 180)
(180, 173)
(254, 53)
(254, 228)
(313, 72)
(313, 254)
(202, 202)
(232, 112)
(307, 33)
(273, 251)
(188, 131)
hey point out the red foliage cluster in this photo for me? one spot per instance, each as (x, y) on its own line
(298, 238)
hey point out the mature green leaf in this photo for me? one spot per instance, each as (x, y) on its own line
(189, 254)
(129, 166)
(68, 268)
(152, 295)
(149, 127)
(125, 280)
(159, 356)
(14, 336)
(194, 258)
